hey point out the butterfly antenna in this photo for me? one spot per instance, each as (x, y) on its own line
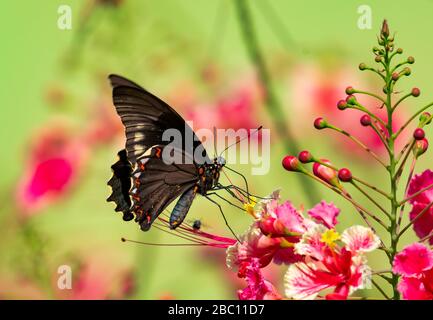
(162, 244)
(241, 139)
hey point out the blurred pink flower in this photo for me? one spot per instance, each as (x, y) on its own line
(52, 165)
(423, 226)
(104, 124)
(415, 264)
(258, 288)
(94, 281)
(235, 109)
(329, 265)
(316, 91)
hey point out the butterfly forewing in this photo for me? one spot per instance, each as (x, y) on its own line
(155, 181)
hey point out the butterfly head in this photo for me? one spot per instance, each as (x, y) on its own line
(220, 161)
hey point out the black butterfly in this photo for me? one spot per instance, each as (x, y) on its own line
(143, 184)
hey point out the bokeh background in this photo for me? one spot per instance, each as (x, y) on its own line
(60, 134)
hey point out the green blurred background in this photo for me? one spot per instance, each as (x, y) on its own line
(192, 54)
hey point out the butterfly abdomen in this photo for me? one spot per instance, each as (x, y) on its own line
(182, 207)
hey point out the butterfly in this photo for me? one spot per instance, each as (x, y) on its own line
(143, 183)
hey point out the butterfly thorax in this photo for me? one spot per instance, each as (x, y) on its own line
(209, 175)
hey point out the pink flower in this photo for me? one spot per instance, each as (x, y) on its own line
(423, 226)
(360, 239)
(258, 288)
(328, 265)
(51, 168)
(413, 260)
(415, 264)
(417, 288)
(273, 235)
(325, 213)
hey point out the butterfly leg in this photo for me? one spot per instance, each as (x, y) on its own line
(224, 199)
(230, 187)
(224, 217)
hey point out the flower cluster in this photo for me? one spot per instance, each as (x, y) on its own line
(318, 256)
(415, 265)
(321, 262)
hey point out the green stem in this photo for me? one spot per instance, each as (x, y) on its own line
(274, 107)
(392, 176)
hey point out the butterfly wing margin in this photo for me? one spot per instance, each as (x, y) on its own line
(146, 118)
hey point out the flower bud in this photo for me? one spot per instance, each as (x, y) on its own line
(415, 92)
(271, 226)
(345, 175)
(395, 76)
(325, 173)
(384, 32)
(350, 90)
(378, 58)
(399, 50)
(362, 66)
(305, 156)
(351, 99)
(418, 134)
(341, 105)
(291, 163)
(365, 120)
(420, 147)
(320, 123)
(425, 118)
(410, 60)
(406, 71)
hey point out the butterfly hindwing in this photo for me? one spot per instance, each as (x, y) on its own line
(120, 184)
(155, 184)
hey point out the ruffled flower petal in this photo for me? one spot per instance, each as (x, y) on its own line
(413, 260)
(360, 239)
(325, 213)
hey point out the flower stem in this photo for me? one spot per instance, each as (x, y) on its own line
(391, 169)
(362, 145)
(274, 107)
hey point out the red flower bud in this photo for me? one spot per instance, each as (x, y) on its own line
(342, 105)
(345, 175)
(325, 173)
(291, 163)
(418, 134)
(320, 123)
(271, 226)
(365, 120)
(415, 92)
(395, 76)
(350, 90)
(305, 156)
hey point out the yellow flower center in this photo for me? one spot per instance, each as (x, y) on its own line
(329, 237)
(249, 206)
